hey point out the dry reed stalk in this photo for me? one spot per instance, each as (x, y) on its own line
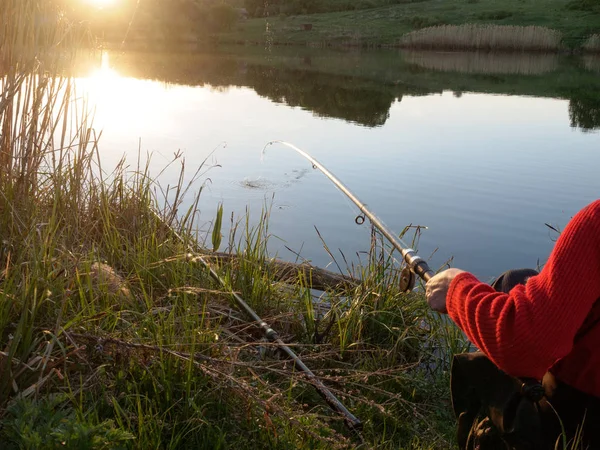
(592, 62)
(30, 26)
(484, 37)
(593, 43)
(38, 126)
(484, 63)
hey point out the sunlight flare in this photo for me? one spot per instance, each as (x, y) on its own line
(102, 3)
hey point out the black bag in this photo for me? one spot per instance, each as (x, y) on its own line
(497, 411)
(492, 413)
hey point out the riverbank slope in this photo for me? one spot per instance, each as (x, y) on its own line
(385, 25)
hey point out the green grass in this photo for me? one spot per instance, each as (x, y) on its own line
(385, 25)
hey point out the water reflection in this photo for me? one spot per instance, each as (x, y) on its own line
(348, 98)
(361, 87)
(584, 111)
(483, 162)
(485, 63)
(353, 99)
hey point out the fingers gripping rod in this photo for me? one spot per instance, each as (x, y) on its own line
(414, 263)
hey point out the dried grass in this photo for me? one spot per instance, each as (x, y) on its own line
(484, 37)
(484, 63)
(592, 62)
(593, 43)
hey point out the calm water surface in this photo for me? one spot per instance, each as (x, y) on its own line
(482, 150)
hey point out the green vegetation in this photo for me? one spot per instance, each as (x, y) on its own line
(113, 336)
(321, 23)
(384, 23)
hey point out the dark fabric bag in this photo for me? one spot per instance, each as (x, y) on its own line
(497, 411)
(491, 409)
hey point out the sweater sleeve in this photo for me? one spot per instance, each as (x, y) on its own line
(525, 331)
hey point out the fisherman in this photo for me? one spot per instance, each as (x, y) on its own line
(534, 331)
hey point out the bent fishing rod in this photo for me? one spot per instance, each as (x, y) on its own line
(414, 263)
(351, 421)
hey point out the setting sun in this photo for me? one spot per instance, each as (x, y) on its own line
(102, 3)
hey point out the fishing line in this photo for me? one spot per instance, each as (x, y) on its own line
(415, 265)
(135, 11)
(360, 219)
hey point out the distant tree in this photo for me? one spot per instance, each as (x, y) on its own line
(291, 7)
(223, 16)
(254, 7)
(309, 6)
(262, 8)
(584, 112)
(584, 5)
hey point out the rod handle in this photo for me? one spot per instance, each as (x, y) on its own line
(417, 264)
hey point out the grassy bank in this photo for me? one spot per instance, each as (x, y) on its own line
(361, 23)
(385, 25)
(113, 336)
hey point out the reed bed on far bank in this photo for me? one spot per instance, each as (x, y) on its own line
(592, 44)
(484, 37)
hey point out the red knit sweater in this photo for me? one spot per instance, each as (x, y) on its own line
(534, 328)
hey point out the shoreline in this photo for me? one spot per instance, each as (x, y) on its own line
(198, 45)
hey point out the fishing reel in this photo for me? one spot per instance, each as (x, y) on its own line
(407, 280)
(415, 266)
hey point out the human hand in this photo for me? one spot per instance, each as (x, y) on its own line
(437, 287)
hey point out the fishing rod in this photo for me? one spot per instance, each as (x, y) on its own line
(415, 265)
(351, 421)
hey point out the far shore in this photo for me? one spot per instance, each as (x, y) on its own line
(192, 45)
(435, 39)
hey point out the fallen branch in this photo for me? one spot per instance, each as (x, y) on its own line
(287, 272)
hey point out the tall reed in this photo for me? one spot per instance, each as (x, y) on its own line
(484, 37)
(44, 161)
(592, 62)
(593, 43)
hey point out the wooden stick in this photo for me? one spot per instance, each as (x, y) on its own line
(288, 272)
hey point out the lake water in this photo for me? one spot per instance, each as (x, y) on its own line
(483, 150)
